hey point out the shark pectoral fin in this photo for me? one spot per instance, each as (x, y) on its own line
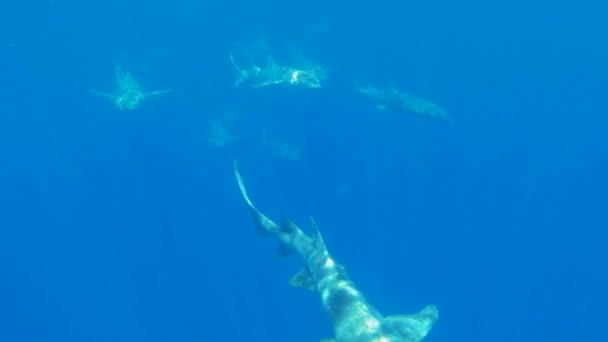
(303, 279)
(287, 225)
(416, 325)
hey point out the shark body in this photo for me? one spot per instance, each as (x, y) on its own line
(391, 98)
(275, 74)
(354, 319)
(128, 93)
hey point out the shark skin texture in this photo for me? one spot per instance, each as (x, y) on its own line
(353, 318)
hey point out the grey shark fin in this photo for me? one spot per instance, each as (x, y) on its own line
(287, 225)
(241, 73)
(417, 325)
(270, 62)
(303, 279)
(317, 239)
(264, 225)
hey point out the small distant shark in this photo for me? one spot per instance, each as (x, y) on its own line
(391, 98)
(354, 319)
(275, 74)
(128, 93)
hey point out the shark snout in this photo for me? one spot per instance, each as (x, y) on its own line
(305, 79)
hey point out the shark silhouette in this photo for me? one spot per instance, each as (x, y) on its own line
(275, 74)
(391, 98)
(129, 92)
(354, 319)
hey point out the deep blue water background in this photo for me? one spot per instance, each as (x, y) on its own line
(125, 226)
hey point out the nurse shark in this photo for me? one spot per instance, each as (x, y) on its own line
(354, 319)
(128, 93)
(274, 74)
(394, 99)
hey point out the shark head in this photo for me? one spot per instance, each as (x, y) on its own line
(409, 328)
(304, 79)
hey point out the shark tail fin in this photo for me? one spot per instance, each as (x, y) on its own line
(241, 74)
(416, 325)
(265, 226)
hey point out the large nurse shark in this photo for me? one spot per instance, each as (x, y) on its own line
(275, 74)
(353, 317)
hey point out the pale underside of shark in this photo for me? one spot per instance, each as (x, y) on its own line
(128, 93)
(354, 319)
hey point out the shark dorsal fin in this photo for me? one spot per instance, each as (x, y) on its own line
(317, 239)
(270, 62)
(303, 279)
(415, 326)
(287, 225)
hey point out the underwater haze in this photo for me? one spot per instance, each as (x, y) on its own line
(451, 152)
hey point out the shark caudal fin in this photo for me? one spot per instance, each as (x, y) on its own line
(265, 226)
(241, 74)
(416, 326)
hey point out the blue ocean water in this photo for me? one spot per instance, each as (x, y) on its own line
(128, 225)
